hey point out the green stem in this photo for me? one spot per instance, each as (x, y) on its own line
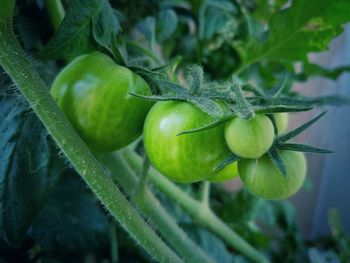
(113, 242)
(15, 62)
(56, 12)
(150, 206)
(146, 51)
(199, 213)
(205, 193)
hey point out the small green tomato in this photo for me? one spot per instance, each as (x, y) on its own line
(249, 138)
(262, 178)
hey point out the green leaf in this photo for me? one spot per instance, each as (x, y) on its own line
(307, 26)
(195, 76)
(254, 89)
(264, 9)
(71, 221)
(242, 107)
(277, 160)
(301, 148)
(30, 167)
(105, 25)
(215, 247)
(209, 106)
(148, 28)
(159, 98)
(151, 81)
(119, 52)
(166, 24)
(167, 86)
(178, 93)
(230, 159)
(74, 37)
(214, 124)
(279, 108)
(300, 129)
(172, 63)
(144, 70)
(279, 89)
(240, 208)
(331, 100)
(311, 70)
(213, 15)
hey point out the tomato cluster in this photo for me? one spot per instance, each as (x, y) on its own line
(94, 93)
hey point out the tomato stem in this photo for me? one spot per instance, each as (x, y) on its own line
(113, 242)
(56, 12)
(15, 62)
(146, 51)
(152, 209)
(203, 215)
(205, 193)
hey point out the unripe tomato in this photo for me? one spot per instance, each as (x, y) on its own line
(249, 138)
(281, 120)
(263, 179)
(190, 157)
(93, 92)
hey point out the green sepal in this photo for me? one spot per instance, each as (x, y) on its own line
(300, 129)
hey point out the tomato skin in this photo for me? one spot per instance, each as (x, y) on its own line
(93, 92)
(281, 120)
(225, 174)
(249, 138)
(263, 179)
(186, 158)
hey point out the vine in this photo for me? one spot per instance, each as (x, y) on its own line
(15, 62)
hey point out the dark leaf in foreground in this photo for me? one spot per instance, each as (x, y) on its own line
(71, 220)
(74, 37)
(30, 167)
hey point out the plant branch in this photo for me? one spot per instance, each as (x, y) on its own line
(15, 62)
(113, 242)
(56, 12)
(150, 206)
(205, 193)
(146, 51)
(199, 213)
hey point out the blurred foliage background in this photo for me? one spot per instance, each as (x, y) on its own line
(63, 222)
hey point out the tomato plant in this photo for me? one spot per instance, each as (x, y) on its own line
(202, 85)
(186, 158)
(263, 179)
(93, 92)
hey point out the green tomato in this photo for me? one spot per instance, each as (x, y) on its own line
(281, 120)
(93, 92)
(186, 158)
(249, 138)
(263, 178)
